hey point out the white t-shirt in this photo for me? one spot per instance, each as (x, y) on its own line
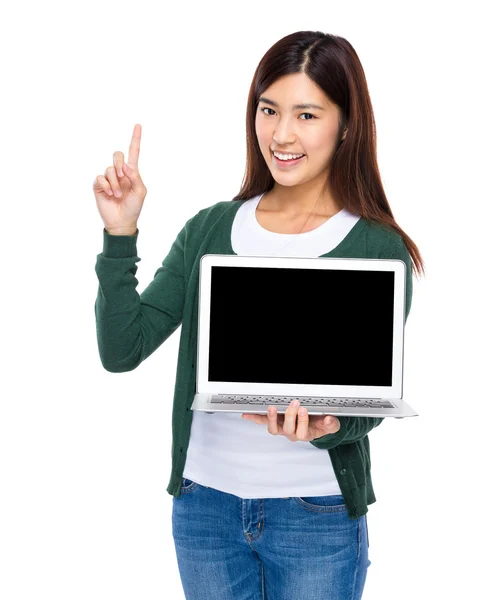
(236, 455)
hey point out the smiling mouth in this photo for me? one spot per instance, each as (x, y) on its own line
(291, 161)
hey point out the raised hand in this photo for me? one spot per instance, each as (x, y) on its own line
(120, 192)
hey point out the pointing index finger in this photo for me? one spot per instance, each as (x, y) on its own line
(134, 149)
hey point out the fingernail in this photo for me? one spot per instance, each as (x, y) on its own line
(302, 411)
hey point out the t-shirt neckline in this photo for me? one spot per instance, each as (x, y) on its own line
(338, 250)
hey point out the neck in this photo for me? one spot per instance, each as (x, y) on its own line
(292, 202)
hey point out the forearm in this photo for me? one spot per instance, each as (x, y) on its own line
(131, 326)
(351, 430)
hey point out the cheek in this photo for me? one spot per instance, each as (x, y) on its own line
(262, 135)
(319, 144)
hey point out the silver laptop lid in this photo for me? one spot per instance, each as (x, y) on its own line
(298, 326)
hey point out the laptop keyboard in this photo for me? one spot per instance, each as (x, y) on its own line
(304, 401)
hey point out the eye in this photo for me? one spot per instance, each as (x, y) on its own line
(268, 108)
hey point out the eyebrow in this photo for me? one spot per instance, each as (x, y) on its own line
(295, 107)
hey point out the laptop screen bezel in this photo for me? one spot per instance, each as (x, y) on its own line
(204, 386)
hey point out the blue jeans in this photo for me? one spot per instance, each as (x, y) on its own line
(268, 548)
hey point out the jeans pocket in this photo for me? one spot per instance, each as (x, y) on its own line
(334, 503)
(188, 485)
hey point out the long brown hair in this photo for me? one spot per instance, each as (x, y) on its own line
(354, 178)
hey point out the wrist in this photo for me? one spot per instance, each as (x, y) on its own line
(132, 230)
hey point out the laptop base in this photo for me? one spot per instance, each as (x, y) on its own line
(202, 402)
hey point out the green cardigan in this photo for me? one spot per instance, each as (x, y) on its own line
(130, 327)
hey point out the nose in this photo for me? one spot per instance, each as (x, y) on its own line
(283, 134)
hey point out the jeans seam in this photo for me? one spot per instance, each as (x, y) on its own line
(259, 531)
(262, 575)
(357, 561)
(366, 527)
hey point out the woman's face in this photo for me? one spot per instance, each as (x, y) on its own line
(310, 131)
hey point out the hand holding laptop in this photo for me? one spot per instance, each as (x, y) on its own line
(309, 427)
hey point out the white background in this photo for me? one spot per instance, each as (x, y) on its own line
(84, 453)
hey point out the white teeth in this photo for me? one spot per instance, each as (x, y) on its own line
(287, 156)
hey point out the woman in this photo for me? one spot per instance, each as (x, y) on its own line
(277, 511)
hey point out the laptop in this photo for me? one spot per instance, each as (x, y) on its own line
(328, 331)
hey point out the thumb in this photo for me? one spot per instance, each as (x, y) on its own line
(332, 423)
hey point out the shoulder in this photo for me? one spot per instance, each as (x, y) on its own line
(385, 241)
(211, 215)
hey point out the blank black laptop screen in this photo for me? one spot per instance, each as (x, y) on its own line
(301, 326)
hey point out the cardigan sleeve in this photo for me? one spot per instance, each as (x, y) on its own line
(130, 327)
(352, 428)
